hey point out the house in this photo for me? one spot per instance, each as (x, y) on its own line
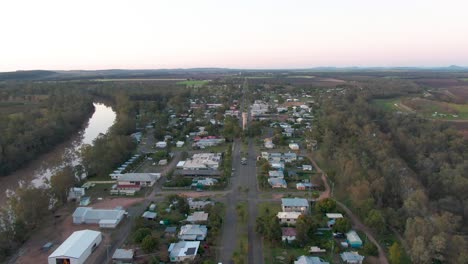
(138, 179)
(198, 205)
(288, 217)
(258, 108)
(208, 142)
(316, 250)
(193, 232)
(76, 193)
(289, 157)
(295, 205)
(288, 234)
(277, 183)
(277, 165)
(85, 201)
(149, 215)
(161, 144)
(123, 256)
(183, 251)
(207, 182)
(306, 167)
(203, 161)
(180, 164)
(353, 239)
(106, 218)
(351, 258)
(268, 143)
(276, 174)
(198, 216)
(76, 248)
(180, 144)
(332, 219)
(294, 146)
(302, 186)
(170, 231)
(310, 260)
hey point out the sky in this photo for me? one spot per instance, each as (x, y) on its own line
(153, 34)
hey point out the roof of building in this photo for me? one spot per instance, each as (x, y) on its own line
(149, 215)
(197, 217)
(275, 173)
(277, 182)
(76, 244)
(351, 256)
(288, 231)
(193, 230)
(295, 202)
(291, 215)
(352, 236)
(309, 260)
(184, 248)
(100, 214)
(170, 229)
(123, 254)
(146, 177)
(334, 215)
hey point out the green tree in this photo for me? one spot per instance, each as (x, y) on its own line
(305, 229)
(342, 225)
(61, 182)
(149, 244)
(140, 234)
(369, 249)
(395, 253)
(376, 221)
(326, 205)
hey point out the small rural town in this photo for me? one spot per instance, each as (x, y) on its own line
(246, 132)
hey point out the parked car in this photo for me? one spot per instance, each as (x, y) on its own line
(339, 235)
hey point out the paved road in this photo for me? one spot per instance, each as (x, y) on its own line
(250, 175)
(229, 236)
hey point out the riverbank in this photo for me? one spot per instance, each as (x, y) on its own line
(65, 153)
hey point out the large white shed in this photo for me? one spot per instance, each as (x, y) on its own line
(77, 248)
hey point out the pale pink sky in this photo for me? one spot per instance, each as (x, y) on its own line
(137, 34)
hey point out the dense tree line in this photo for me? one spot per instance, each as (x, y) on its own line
(40, 124)
(400, 172)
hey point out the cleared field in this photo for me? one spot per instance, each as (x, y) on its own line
(388, 104)
(193, 82)
(427, 108)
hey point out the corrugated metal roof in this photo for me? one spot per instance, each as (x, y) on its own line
(76, 244)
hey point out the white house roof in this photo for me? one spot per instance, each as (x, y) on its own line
(288, 215)
(144, 177)
(184, 248)
(352, 236)
(198, 216)
(334, 215)
(351, 257)
(76, 244)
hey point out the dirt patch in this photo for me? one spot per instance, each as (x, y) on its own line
(111, 203)
(59, 227)
(277, 196)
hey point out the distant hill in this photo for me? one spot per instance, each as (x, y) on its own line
(40, 75)
(26, 75)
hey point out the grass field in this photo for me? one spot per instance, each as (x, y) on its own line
(387, 104)
(194, 82)
(427, 108)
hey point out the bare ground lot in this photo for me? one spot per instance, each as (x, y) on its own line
(59, 228)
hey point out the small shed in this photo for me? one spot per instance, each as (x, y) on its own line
(353, 239)
(149, 215)
(123, 256)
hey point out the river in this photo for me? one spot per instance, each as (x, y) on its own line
(64, 154)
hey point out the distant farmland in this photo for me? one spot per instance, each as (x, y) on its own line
(194, 83)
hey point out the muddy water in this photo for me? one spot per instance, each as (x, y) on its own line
(37, 171)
